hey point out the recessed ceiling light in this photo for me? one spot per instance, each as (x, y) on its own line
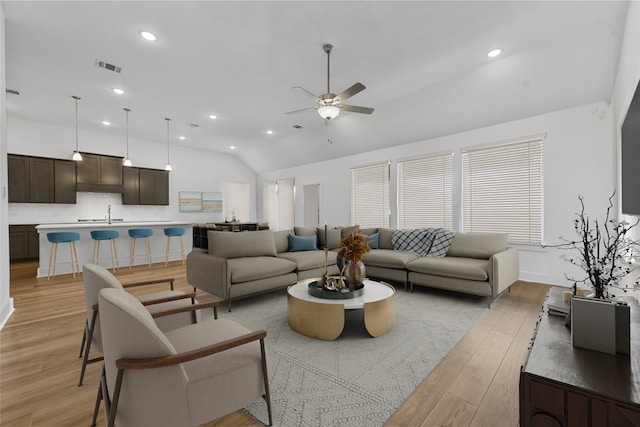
(213, 116)
(182, 137)
(493, 53)
(269, 132)
(117, 91)
(148, 35)
(106, 123)
(232, 147)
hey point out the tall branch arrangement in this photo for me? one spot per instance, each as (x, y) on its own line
(605, 251)
(353, 247)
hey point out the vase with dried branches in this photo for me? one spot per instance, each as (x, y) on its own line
(352, 248)
(605, 251)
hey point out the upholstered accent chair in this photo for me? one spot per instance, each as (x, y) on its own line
(96, 278)
(183, 377)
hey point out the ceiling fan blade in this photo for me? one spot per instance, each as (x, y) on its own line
(348, 93)
(310, 93)
(355, 109)
(301, 110)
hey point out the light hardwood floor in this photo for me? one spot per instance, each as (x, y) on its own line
(475, 385)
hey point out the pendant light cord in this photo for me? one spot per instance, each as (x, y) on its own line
(127, 131)
(168, 159)
(76, 98)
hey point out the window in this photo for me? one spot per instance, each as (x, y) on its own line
(236, 201)
(278, 204)
(502, 190)
(370, 195)
(424, 192)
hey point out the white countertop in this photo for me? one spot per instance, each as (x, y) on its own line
(82, 225)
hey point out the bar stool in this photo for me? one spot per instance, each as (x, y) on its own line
(63, 237)
(174, 232)
(100, 235)
(138, 233)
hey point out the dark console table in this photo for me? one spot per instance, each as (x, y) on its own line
(561, 385)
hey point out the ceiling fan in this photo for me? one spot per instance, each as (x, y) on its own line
(330, 104)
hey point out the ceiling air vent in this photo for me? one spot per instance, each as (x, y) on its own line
(193, 125)
(13, 91)
(107, 66)
(297, 126)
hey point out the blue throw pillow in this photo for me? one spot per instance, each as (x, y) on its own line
(302, 243)
(373, 240)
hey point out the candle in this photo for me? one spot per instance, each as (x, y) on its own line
(326, 243)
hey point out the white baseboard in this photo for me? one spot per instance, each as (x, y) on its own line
(6, 313)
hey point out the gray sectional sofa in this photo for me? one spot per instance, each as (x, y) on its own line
(246, 263)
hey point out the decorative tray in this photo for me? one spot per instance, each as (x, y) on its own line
(323, 292)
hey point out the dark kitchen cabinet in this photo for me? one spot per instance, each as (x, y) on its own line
(31, 179)
(41, 180)
(99, 173)
(23, 242)
(64, 181)
(145, 186)
(154, 187)
(130, 186)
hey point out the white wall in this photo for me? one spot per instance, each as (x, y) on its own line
(6, 302)
(579, 156)
(193, 170)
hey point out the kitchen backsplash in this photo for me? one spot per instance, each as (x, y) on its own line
(88, 206)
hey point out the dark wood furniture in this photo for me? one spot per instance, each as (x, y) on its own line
(23, 242)
(201, 239)
(41, 180)
(562, 385)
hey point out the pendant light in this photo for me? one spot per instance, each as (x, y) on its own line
(76, 154)
(168, 166)
(126, 161)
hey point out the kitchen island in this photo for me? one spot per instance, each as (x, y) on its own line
(84, 246)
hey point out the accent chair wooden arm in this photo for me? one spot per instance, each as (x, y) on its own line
(161, 362)
(169, 280)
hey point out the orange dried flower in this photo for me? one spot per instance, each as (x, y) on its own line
(353, 247)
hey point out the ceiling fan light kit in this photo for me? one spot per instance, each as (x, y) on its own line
(330, 104)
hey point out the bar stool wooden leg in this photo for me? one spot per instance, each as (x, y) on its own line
(96, 252)
(182, 250)
(166, 255)
(73, 265)
(114, 255)
(52, 259)
(75, 258)
(148, 252)
(132, 251)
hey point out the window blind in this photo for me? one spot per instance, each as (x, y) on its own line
(236, 199)
(278, 203)
(425, 192)
(370, 195)
(502, 190)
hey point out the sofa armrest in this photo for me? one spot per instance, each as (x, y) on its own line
(208, 272)
(505, 267)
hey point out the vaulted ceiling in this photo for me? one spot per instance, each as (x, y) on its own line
(424, 65)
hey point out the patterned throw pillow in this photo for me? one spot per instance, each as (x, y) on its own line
(441, 243)
(416, 241)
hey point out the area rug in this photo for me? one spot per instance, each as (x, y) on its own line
(355, 380)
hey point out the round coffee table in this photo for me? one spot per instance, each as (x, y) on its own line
(324, 318)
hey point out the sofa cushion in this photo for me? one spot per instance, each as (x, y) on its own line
(388, 258)
(308, 260)
(459, 268)
(416, 241)
(386, 238)
(347, 231)
(333, 236)
(373, 240)
(304, 231)
(478, 245)
(251, 268)
(368, 231)
(281, 239)
(242, 244)
(302, 243)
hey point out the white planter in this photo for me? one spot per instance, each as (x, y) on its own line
(600, 325)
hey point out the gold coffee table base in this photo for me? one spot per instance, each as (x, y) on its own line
(323, 319)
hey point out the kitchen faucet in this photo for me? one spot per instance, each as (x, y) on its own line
(109, 214)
